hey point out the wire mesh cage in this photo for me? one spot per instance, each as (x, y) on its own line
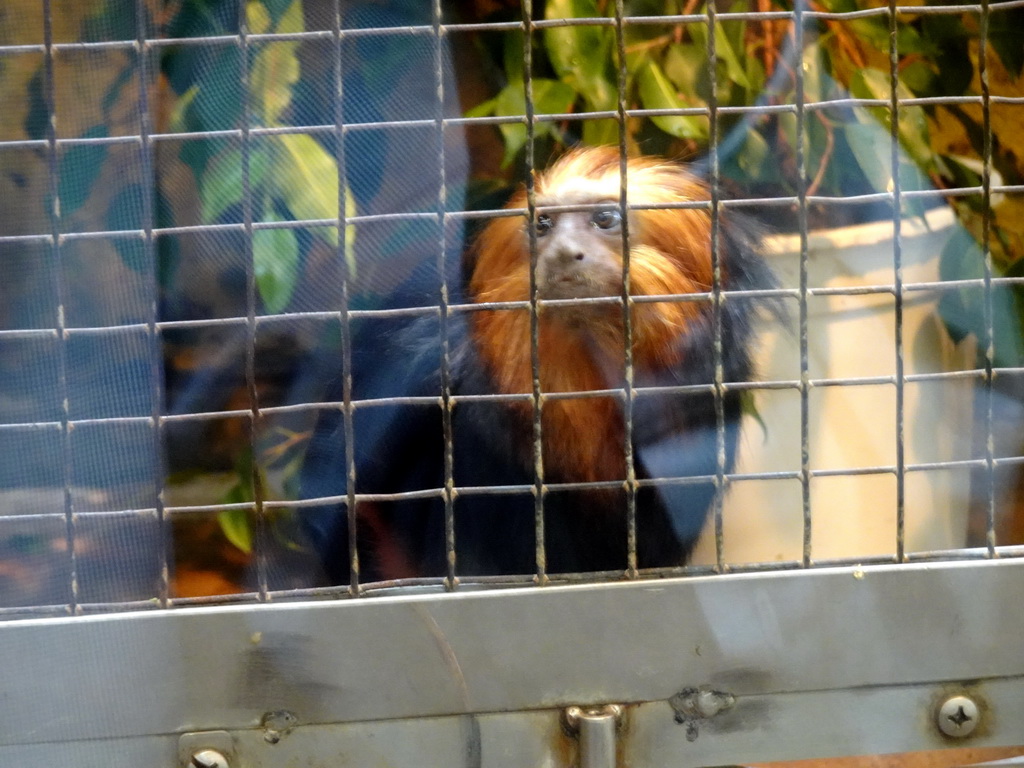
(707, 312)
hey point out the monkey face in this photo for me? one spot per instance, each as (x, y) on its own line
(579, 253)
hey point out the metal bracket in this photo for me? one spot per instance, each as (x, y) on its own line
(693, 706)
(596, 729)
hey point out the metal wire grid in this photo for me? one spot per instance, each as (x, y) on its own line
(252, 322)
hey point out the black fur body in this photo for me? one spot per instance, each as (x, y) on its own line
(400, 447)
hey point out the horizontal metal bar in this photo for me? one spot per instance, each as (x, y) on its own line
(757, 729)
(240, 227)
(539, 24)
(435, 401)
(257, 132)
(396, 657)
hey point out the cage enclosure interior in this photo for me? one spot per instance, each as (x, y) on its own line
(318, 306)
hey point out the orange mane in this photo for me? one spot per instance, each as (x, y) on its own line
(669, 254)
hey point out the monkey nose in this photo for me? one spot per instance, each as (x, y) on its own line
(568, 256)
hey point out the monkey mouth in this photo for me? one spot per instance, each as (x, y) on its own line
(576, 285)
(569, 287)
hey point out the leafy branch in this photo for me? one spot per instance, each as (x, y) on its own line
(846, 148)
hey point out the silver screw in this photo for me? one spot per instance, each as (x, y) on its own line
(958, 717)
(209, 758)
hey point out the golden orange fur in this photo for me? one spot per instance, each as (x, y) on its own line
(670, 254)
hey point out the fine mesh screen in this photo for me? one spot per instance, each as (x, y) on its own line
(220, 221)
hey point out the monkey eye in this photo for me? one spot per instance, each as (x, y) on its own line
(544, 224)
(606, 219)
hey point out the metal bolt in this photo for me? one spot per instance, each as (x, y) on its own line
(958, 717)
(209, 758)
(573, 715)
(595, 729)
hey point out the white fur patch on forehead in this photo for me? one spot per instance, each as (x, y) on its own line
(592, 176)
(580, 190)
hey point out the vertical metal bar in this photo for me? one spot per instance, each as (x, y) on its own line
(716, 292)
(451, 581)
(627, 302)
(897, 255)
(260, 537)
(49, 96)
(344, 320)
(801, 191)
(156, 378)
(596, 730)
(986, 251)
(597, 736)
(531, 229)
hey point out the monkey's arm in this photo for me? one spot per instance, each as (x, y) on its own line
(397, 446)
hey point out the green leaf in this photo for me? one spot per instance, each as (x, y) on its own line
(274, 72)
(168, 257)
(237, 527)
(257, 18)
(178, 122)
(1004, 32)
(727, 54)
(909, 41)
(305, 177)
(237, 523)
(511, 101)
(913, 126)
(289, 22)
(279, 8)
(913, 133)
(873, 30)
(788, 135)
(483, 109)
(111, 21)
(754, 156)
(813, 74)
(275, 254)
(656, 92)
(221, 184)
(549, 97)
(218, 105)
(869, 144)
(37, 118)
(78, 169)
(748, 406)
(601, 132)
(580, 55)
(730, 69)
(963, 311)
(513, 57)
(571, 48)
(954, 60)
(198, 153)
(839, 6)
(963, 171)
(275, 69)
(125, 213)
(919, 76)
(755, 75)
(125, 76)
(685, 64)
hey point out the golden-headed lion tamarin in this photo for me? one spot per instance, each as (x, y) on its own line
(581, 348)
